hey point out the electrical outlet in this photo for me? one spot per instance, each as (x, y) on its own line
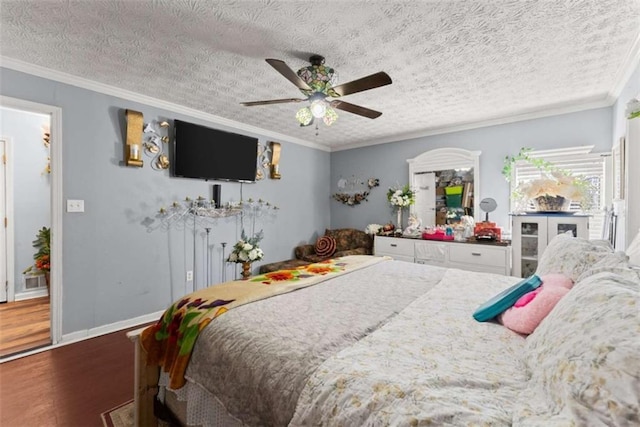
(75, 205)
(189, 276)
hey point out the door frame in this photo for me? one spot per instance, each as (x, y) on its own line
(8, 213)
(55, 151)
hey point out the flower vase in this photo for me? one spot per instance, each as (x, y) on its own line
(246, 270)
(47, 279)
(399, 220)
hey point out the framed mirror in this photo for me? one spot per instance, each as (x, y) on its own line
(446, 181)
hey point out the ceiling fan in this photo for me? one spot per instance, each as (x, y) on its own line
(317, 82)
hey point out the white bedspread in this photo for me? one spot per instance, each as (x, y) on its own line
(433, 364)
(257, 358)
(372, 347)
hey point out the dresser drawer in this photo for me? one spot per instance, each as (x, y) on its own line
(478, 254)
(432, 252)
(393, 246)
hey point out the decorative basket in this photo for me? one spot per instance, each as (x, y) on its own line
(551, 203)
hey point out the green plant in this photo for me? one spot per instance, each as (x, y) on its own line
(523, 155)
(554, 182)
(42, 256)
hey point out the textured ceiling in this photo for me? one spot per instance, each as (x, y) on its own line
(452, 62)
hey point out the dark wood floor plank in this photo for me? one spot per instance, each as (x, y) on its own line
(67, 386)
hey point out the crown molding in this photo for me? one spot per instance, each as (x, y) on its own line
(39, 71)
(557, 110)
(632, 61)
(61, 77)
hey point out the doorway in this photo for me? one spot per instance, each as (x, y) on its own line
(30, 201)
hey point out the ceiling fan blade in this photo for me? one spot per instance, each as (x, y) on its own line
(272, 101)
(369, 82)
(288, 73)
(355, 109)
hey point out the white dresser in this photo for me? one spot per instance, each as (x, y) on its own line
(482, 257)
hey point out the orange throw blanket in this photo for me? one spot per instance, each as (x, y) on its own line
(170, 341)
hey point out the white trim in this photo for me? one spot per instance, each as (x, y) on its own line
(37, 293)
(56, 288)
(632, 61)
(55, 151)
(10, 230)
(86, 334)
(547, 111)
(83, 83)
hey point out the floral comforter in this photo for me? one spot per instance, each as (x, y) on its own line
(256, 359)
(290, 360)
(170, 341)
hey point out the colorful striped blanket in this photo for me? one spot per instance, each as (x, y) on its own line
(170, 341)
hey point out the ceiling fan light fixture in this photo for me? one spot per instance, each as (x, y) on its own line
(304, 116)
(318, 108)
(330, 116)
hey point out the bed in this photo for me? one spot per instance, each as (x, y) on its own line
(394, 343)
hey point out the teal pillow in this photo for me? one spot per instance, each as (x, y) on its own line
(506, 299)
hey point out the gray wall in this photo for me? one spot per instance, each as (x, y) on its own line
(119, 262)
(32, 186)
(388, 162)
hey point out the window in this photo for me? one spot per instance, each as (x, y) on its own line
(579, 161)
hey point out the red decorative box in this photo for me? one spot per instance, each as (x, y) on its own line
(486, 229)
(438, 235)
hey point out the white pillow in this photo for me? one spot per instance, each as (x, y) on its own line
(633, 251)
(571, 256)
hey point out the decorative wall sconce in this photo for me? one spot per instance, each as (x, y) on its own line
(275, 160)
(153, 146)
(264, 153)
(133, 146)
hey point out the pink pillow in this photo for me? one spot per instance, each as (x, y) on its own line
(527, 313)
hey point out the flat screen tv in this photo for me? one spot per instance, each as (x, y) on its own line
(206, 153)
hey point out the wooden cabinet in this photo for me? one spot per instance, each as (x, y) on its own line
(532, 233)
(482, 257)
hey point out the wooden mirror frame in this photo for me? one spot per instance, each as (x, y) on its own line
(448, 158)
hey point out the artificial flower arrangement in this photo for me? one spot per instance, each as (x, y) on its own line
(42, 256)
(374, 229)
(401, 197)
(555, 183)
(352, 199)
(246, 249)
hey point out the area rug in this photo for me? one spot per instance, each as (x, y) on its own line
(120, 416)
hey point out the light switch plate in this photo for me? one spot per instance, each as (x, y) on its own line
(75, 205)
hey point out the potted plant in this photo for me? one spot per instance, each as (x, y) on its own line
(42, 257)
(553, 191)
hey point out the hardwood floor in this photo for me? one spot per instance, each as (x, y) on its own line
(68, 386)
(24, 325)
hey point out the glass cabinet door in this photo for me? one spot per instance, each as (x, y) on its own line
(530, 239)
(578, 226)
